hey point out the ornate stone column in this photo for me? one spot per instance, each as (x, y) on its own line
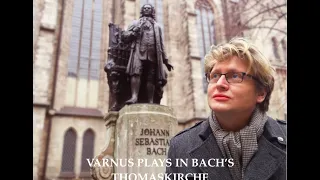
(105, 172)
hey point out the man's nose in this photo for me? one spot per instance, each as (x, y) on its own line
(222, 82)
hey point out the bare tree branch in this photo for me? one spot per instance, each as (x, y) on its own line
(281, 11)
(272, 27)
(264, 20)
(251, 7)
(248, 15)
(242, 28)
(267, 27)
(261, 13)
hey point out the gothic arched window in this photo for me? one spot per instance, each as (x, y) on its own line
(205, 31)
(84, 54)
(87, 152)
(68, 153)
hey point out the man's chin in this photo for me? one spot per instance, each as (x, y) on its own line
(220, 108)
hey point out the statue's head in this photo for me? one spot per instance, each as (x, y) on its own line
(148, 11)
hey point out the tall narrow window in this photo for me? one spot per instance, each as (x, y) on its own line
(85, 54)
(68, 153)
(87, 152)
(284, 48)
(157, 4)
(205, 32)
(275, 47)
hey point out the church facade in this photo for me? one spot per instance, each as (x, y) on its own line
(70, 89)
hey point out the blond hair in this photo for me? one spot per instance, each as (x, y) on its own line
(258, 65)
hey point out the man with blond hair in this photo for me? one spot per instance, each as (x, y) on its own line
(238, 140)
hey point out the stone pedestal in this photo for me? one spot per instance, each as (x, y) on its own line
(102, 172)
(139, 142)
(143, 132)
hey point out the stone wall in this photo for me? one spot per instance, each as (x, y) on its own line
(44, 29)
(42, 67)
(59, 126)
(180, 81)
(38, 123)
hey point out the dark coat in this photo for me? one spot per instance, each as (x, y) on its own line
(269, 162)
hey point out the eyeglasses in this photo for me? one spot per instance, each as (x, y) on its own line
(231, 77)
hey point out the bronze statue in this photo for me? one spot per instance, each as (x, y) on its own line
(137, 55)
(147, 55)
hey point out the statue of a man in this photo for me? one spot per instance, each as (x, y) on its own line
(147, 55)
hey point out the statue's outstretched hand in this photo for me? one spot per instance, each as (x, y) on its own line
(169, 67)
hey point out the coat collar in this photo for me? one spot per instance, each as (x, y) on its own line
(264, 163)
(209, 149)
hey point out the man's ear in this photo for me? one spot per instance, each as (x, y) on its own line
(261, 95)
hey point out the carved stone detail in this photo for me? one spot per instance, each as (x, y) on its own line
(105, 172)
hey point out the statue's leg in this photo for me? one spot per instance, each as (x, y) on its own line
(135, 86)
(151, 81)
(158, 91)
(150, 89)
